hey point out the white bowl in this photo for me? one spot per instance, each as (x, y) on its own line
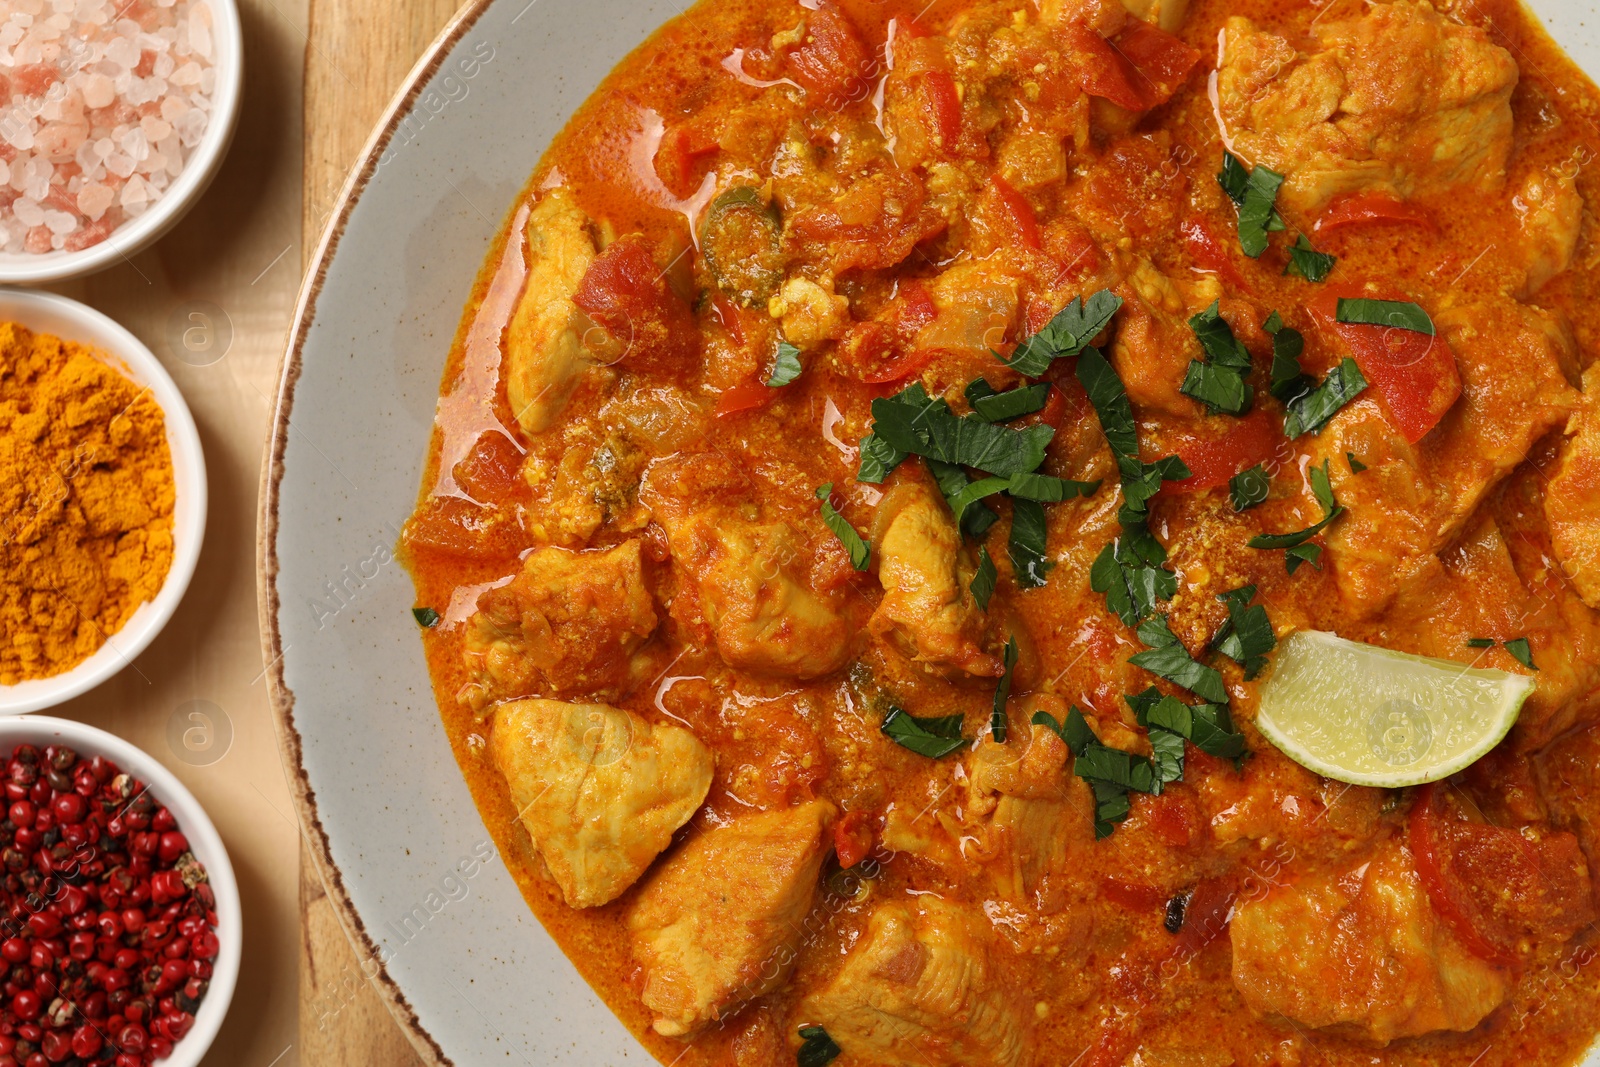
(131, 237)
(68, 319)
(204, 842)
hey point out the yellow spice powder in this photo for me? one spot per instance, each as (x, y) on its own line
(86, 500)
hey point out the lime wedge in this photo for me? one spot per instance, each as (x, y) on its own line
(1371, 716)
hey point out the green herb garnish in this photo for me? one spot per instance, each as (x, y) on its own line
(817, 1049)
(982, 587)
(932, 430)
(1288, 380)
(1401, 314)
(1356, 466)
(1247, 636)
(974, 518)
(1296, 542)
(1307, 262)
(933, 737)
(1521, 651)
(1480, 642)
(426, 617)
(787, 368)
(1002, 693)
(1249, 487)
(1167, 658)
(998, 407)
(1219, 383)
(1065, 335)
(1027, 545)
(860, 554)
(1310, 412)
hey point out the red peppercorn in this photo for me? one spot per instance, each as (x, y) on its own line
(69, 808)
(56, 1046)
(25, 1005)
(21, 813)
(14, 949)
(44, 924)
(36, 1060)
(114, 979)
(85, 1042)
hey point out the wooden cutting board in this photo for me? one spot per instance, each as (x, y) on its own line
(357, 54)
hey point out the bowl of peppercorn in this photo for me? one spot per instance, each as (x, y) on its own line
(119, 914)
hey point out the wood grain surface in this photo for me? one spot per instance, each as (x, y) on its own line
(357, 54)
(212, 299)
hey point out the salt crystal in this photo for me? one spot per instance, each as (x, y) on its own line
(119, 164)
(155, 130)
(186, 75)
(61, 222)
(136, 144)
(123, 52)
(94, 199)
(28, 212)
(5, 172)
(98, 91)
(191, 127)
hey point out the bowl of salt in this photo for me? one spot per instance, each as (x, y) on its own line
(114, 116)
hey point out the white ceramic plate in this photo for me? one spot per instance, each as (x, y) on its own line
(463, 963)
(49, 313)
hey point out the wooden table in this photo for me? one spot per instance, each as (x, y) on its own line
(317, 75)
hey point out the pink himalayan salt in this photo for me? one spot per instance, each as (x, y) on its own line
(100, 109)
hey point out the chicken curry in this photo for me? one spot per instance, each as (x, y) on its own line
(889, 451)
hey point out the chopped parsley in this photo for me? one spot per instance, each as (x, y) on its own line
(1521, 651)
(1249, 487)
(1288, 380)
(998, 407)
(1356, 466)
(918, 425)
(787, 368)
(1246, 637)
(1219, 383)
(1072, 328)
(860, 554)
(1307, 262)
(974, 518)
(1002, 693)
(817, 1049)
(1128, 573)
(1297, 542)
(1310, 412)
(1401, 314)
(982, 587)
(1074, 730)
(1167, 658)
(1110, 401)
(1254, 192)
(1027, 545)
(933, 737)
(426, 617)
(1518, 648)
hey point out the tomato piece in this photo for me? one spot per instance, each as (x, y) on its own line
(1162, 60)
(941, 105)
(1209, 253)
(1493, 886)
(1355, 209)
(493, 469)
(917, 308)
(627, 296)
(1216, 449)
(679, 155)
(727, 313)
(1017, 212)
(1101, 71)
(1415, 375)
(1054, 412)
(457, 527)
(832, 62)
(1139, 69)
(852, 838)
(1205, 917)
(746, 396)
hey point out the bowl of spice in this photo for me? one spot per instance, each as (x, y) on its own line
(120, 925)
(114, 116)
(102, 499)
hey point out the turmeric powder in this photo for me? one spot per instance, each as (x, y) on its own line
(86, 502)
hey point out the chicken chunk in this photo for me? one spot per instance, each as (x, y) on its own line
(1411, 500)
(1360, 952)
(1572, 495)
(923, 988)
(568, 624)
(927, 613)
(545, 356)
(748, 573)
(1550, 210)
(1034, 818)
(1154, 343)
(1400, 100)
(721, 922)
(599, 789)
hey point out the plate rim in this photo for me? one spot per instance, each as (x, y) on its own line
(280, 697)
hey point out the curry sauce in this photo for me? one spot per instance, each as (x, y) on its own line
(653, 500)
